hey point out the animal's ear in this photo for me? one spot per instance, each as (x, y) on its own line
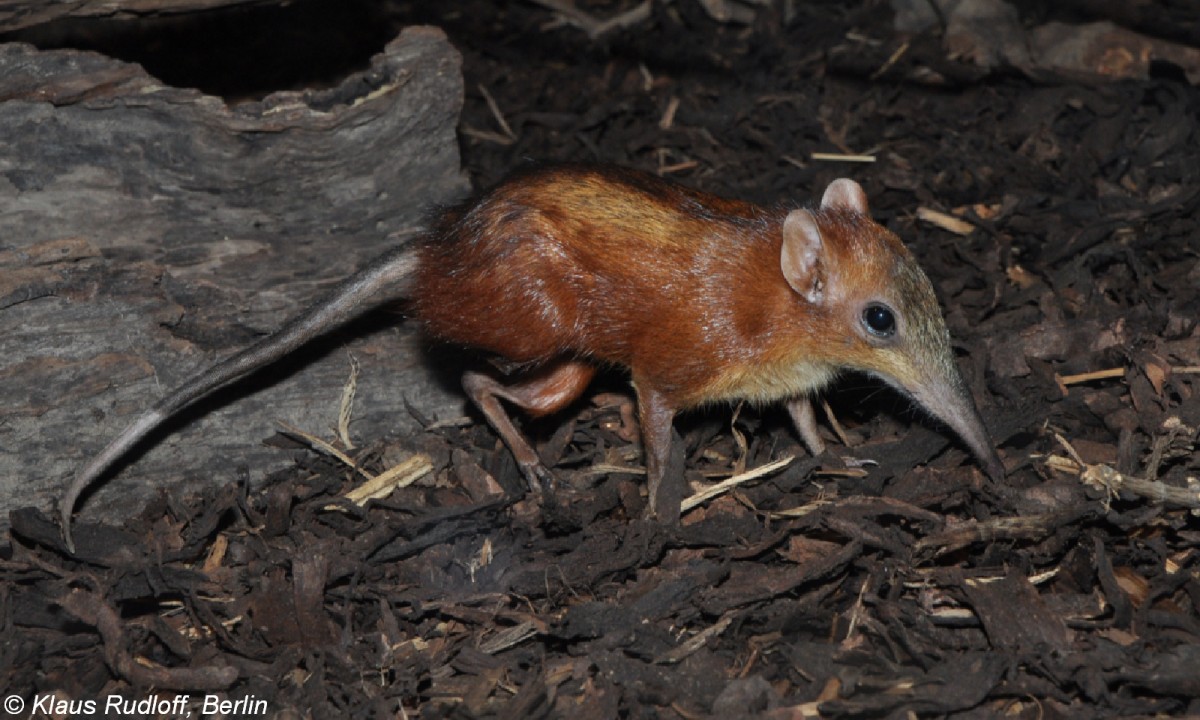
(800, 259)
(846, 194)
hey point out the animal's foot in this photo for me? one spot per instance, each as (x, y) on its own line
(539, 478)
(832, 460)
(857, 462)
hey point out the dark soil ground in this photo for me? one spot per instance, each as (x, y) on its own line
(917, 588)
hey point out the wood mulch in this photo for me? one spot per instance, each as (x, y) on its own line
(1056, 213)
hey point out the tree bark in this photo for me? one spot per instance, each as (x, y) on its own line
(150, 231)
(17, 14)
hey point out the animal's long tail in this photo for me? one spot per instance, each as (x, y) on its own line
(388, 279)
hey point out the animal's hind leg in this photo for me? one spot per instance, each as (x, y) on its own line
(550, 388)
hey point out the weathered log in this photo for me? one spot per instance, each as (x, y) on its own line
(17, 14)
(149, 231)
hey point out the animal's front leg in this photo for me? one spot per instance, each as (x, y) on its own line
(664, 478)
(805, 420)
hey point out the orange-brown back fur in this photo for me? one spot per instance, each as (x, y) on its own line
(682, 287)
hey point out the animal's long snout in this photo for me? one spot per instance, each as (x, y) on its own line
(952, 404)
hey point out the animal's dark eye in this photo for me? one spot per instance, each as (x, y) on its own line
(880, 320)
